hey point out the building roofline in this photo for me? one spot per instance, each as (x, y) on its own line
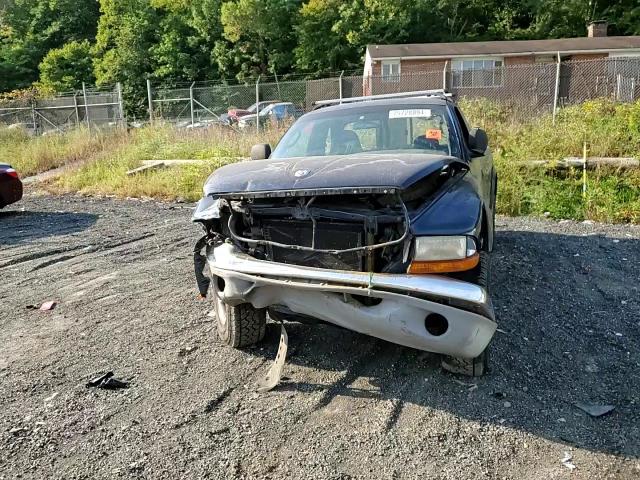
(519, 54)
(508, 48)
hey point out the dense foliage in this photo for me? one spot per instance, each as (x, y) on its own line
(57, 42)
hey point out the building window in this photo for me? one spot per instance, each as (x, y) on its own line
(391, 70)
(477, 72)
(625, 66)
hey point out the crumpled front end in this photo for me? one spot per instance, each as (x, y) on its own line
(342, 256)
(426, 312)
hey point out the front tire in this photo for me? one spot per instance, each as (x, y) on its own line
(240, 325)
(478, 366)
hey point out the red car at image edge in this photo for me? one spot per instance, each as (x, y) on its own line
(10, 185)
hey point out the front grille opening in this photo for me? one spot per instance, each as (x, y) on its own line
(328, 235)
(436, 324)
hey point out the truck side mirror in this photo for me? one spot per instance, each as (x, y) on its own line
(478, 141)
(260, 151)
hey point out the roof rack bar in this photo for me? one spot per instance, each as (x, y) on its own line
(422, 93)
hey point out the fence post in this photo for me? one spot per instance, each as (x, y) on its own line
(557, 90)
(277, 84)
(150, 98)
(444, 75)
(33, 117)
(86, 105)
(191, 103)
(257, 105)
(123, 120)
(340, 85)
(75, 106)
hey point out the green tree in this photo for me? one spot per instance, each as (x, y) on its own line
(126, 32)
(30, 28)
(322, 46)
(259, 37)
(332, 34)
(187, 34)
(624, 16)
(66, 68)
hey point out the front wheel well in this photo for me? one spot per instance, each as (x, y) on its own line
(486, 234)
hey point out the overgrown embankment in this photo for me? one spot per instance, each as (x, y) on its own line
(100, 160)
(609, 129)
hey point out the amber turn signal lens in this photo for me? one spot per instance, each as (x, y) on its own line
(445, 266)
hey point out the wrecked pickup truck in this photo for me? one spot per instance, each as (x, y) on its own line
(375, 214)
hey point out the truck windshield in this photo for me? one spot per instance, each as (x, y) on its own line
(371, 129)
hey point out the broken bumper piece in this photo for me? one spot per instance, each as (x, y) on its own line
(427, 312)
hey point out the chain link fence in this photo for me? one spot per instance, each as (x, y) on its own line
(527, 88)
(202, 103)
(91, 107)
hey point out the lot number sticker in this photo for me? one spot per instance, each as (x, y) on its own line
(410, 113)
(434, 134)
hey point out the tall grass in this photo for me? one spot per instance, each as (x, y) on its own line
(609, 130)
(31, 155)
(217, 146)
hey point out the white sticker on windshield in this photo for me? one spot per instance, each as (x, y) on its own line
(410, 113)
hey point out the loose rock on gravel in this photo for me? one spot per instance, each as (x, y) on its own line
(350, 406)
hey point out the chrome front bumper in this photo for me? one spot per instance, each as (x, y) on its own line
(406, 300)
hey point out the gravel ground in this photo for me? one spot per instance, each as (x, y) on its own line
(351, 406)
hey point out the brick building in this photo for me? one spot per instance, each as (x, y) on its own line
(468, 67)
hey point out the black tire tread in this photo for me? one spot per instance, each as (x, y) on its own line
(247, 325)
(478, 366)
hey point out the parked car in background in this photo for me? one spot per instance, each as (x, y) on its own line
(235, 114)
(274, 113)
(10, 185)
(373, 213)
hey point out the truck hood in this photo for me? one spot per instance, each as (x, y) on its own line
(386, 170)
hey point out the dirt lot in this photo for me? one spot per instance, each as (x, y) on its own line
(568, 302)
